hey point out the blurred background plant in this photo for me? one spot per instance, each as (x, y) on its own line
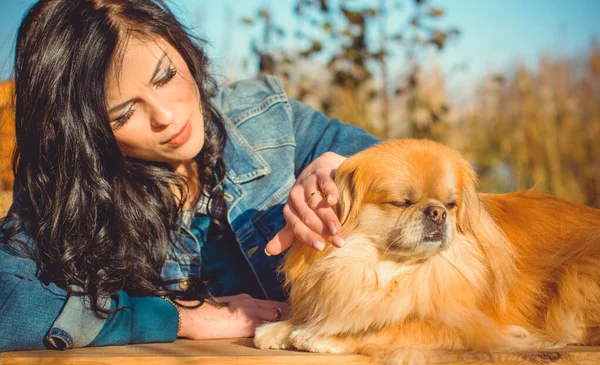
(343, 64)
(539, 128)
(535, 124)
(525, 128)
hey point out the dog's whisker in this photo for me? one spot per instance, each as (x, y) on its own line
(395, 239)
(391, 243)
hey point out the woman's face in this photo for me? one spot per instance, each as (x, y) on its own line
(154, 104)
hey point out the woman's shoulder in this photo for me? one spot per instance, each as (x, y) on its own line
(253, 89)
(243, 96)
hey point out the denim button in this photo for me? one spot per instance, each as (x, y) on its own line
(59, 339)
(184, 285)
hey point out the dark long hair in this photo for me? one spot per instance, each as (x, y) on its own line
(101, 222)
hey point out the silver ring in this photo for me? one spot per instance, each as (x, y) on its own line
(278, 314)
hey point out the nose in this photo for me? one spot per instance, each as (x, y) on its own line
(162, 114)
(435, 213)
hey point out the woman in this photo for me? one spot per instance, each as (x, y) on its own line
(148, 204)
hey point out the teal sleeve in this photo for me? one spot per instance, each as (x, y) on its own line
(139, 320)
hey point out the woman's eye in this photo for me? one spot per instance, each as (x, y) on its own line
(167, 76)
(118, 122)
(451, 205)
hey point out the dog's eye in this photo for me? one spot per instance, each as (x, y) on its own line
(451, 205)
(402, 204)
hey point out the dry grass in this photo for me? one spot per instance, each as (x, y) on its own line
(529, 128)
(540, 128)
(5, 201)
(7, 134)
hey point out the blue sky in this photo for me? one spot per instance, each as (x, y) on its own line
(495, 34)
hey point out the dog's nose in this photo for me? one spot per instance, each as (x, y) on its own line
(436, 214)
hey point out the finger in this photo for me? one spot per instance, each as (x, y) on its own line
(305, 224)
(286, 311)
(327, 223)
(271, 314)
(300, 204)
(326, 184)
(316, 202)
(327, 215)
(271, 303)
(311, 193)
(285, 314)
(281, 242)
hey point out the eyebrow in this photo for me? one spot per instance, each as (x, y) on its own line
(156, 70)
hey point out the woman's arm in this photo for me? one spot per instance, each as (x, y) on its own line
(37, 315)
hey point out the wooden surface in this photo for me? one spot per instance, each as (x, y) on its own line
(242, 351)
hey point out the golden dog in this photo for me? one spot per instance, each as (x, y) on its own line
(430, 265)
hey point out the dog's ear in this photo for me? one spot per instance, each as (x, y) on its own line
(470, 206)
(350, 191)
(468, 210)
(474, 221)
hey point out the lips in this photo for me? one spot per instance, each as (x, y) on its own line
(180, 137)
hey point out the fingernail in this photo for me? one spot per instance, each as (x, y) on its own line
(337, 241)
(329, 199)
(319, 245)
(267, 253)
(332, 228)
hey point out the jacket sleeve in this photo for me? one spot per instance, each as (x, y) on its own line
(35, 315)
(316, 134)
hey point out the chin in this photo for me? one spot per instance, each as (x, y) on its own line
(190, 148)
(431, 265)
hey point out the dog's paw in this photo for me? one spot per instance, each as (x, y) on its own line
(305, 340)
(517, 332)
(273, 335)
(518, 338)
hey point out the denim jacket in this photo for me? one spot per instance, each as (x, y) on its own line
(271, 139)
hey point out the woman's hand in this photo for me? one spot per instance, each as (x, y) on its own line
(308, 210)
(239, 319)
